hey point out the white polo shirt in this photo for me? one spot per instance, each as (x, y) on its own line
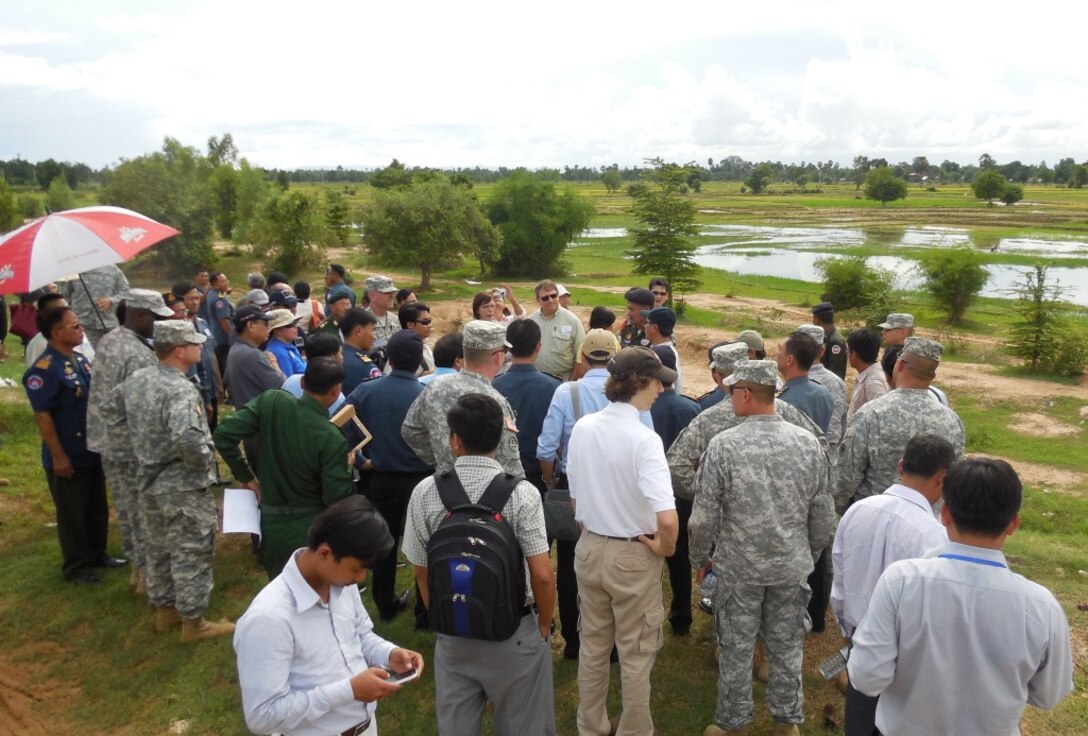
(617, 472)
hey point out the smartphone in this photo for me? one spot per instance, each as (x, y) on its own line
(399, 678)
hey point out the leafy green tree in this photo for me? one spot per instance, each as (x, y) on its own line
(986, 161)
(1013, 193)
(1038, 334)
(10, 218)
(989, 185)
(169, 186)
(59, 197)
(253, 191)
(1079, 177)
(883, 186)
(46, 171)
(290, 232)
(337, 216)
(222, 150)
(861, 168)
(224, 189)
(427, 224)
(666, 223)
(283, 181)
(850, 283)
(953, 277)
(29, 206)
(393, 175)
(537, 221)
(612, 180)
(760, 177)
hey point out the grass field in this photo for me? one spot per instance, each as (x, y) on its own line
(86, 661)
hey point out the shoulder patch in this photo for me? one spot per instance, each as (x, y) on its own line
(44, 362)
(218, 302)
(836, 349)
(34, 382)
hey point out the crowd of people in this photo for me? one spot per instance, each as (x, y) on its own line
(780, 494)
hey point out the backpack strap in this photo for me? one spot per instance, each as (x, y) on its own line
(451, 491)
(576, 401)
(498, 492)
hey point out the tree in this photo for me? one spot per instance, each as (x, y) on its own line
(953, 277)
(169, 186)
(1079, 177)
(253, 190)
(291, 233)
(224, 190)
(336, 216)
(861, 168)
(760, 177)
(10, 218)
(1038, 335)
(611, 179)
(988, 185)
(666, 223)
(986, 161)
(393, 175)
(851, 283)
(59, 197)
(537, 222)
(29, 206)
(425, 225)
(884, 186)
(46, 171)
(1013, 193)
(283, 181)
(222, 150)
(920, 165)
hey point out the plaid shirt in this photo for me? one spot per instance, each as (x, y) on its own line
(523, 511)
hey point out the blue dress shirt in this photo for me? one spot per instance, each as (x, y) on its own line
(812, 399)
(530, 394)
(382, 405)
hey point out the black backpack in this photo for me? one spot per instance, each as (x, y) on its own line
(475, 567)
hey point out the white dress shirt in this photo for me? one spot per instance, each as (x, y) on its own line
(875, 532)
(618, 475)
(297, 654)
(958, 645)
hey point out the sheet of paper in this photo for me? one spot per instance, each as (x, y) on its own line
(240, 511)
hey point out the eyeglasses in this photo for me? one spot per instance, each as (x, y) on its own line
(737, 388)
(547, 297)
(423, 321)
(660, 293)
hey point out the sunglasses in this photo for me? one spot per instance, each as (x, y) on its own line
(660, 293)
(547, 297)
(737, 388)
(423, 321)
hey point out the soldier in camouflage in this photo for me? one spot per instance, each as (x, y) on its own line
(762, 503)
(821, 375)
(684, 454)
(424, 427)
(380, 291)
(171, 442)
(122, 352)
(880, 430)
(94, 296)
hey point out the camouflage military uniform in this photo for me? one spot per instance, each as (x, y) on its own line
(104, 282)
(762, 501)
(385, 328)
(878, 435)
(171, 441)
(685, 452)
(426, 432)
(836, 428)
(121, 353)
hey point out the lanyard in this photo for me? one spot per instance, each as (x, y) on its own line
(975, 560)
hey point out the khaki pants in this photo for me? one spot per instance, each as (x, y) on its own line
(619, 592)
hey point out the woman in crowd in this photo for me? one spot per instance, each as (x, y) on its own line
(283, 331)
(503, 313)
(483, 306)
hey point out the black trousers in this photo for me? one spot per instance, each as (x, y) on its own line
(390, 492)
(680, 572)
(860, 714)
(566, 585)
(820, 583)
(83, 516)
(221, 352)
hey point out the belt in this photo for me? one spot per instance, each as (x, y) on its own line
(626, 539)
(290, 510)
(356, 730)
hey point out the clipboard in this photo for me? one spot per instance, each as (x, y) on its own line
(354, 431)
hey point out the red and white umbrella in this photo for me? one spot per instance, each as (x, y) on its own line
(71, 242)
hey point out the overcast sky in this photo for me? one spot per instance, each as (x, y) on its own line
(323, 83)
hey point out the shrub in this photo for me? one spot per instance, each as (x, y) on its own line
(953, 278)
(851, 283)
(1042, 338)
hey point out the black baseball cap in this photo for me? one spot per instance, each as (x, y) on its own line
(248, 313)
(666, 355)
(404, 347)
(661, 316)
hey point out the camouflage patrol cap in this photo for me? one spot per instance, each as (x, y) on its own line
(752, 339)
(815, 332)
(896, 320)
(176, 332)
(383, 284)
(485, 335)
(923, 348)
(759, 372)
(727, 356)
(149, 300)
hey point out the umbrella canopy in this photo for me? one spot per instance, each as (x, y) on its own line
(71, 242)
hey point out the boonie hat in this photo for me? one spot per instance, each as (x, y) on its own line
(281, 318)
(897, 320)
(248, 313)
(759, 372)
(636, 295)
(562, 290)
(752, 339)
(725, 357)
(404, 347)
(176, 332)
(600, 344)
(484, 335)
(660, 316)
(923, 348)
(383, 284)
(642, 362)
(147, 299)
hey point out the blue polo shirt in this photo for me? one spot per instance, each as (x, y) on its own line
(288, 357)
(672, 413)
(812, 399)
(382, 405)
(530, 394)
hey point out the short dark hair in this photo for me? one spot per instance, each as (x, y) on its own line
(601, 318)
(927, 454)
(409, 313)
(302, 290)
(482, 298)
(337, 269)
(523, 336)
(322, 345)
(983, 495)
(276, 277)
(803, 348)
(46, 299)
(48, 319)
(448, 349)
(215, 276)
(402, 294)
(352, 527)
(659, 281)
(181, 288)
(356, 317)
(322, 374)
(865, 344)
(477, 419)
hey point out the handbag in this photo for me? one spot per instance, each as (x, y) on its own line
(24, 321)
(558, 509)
